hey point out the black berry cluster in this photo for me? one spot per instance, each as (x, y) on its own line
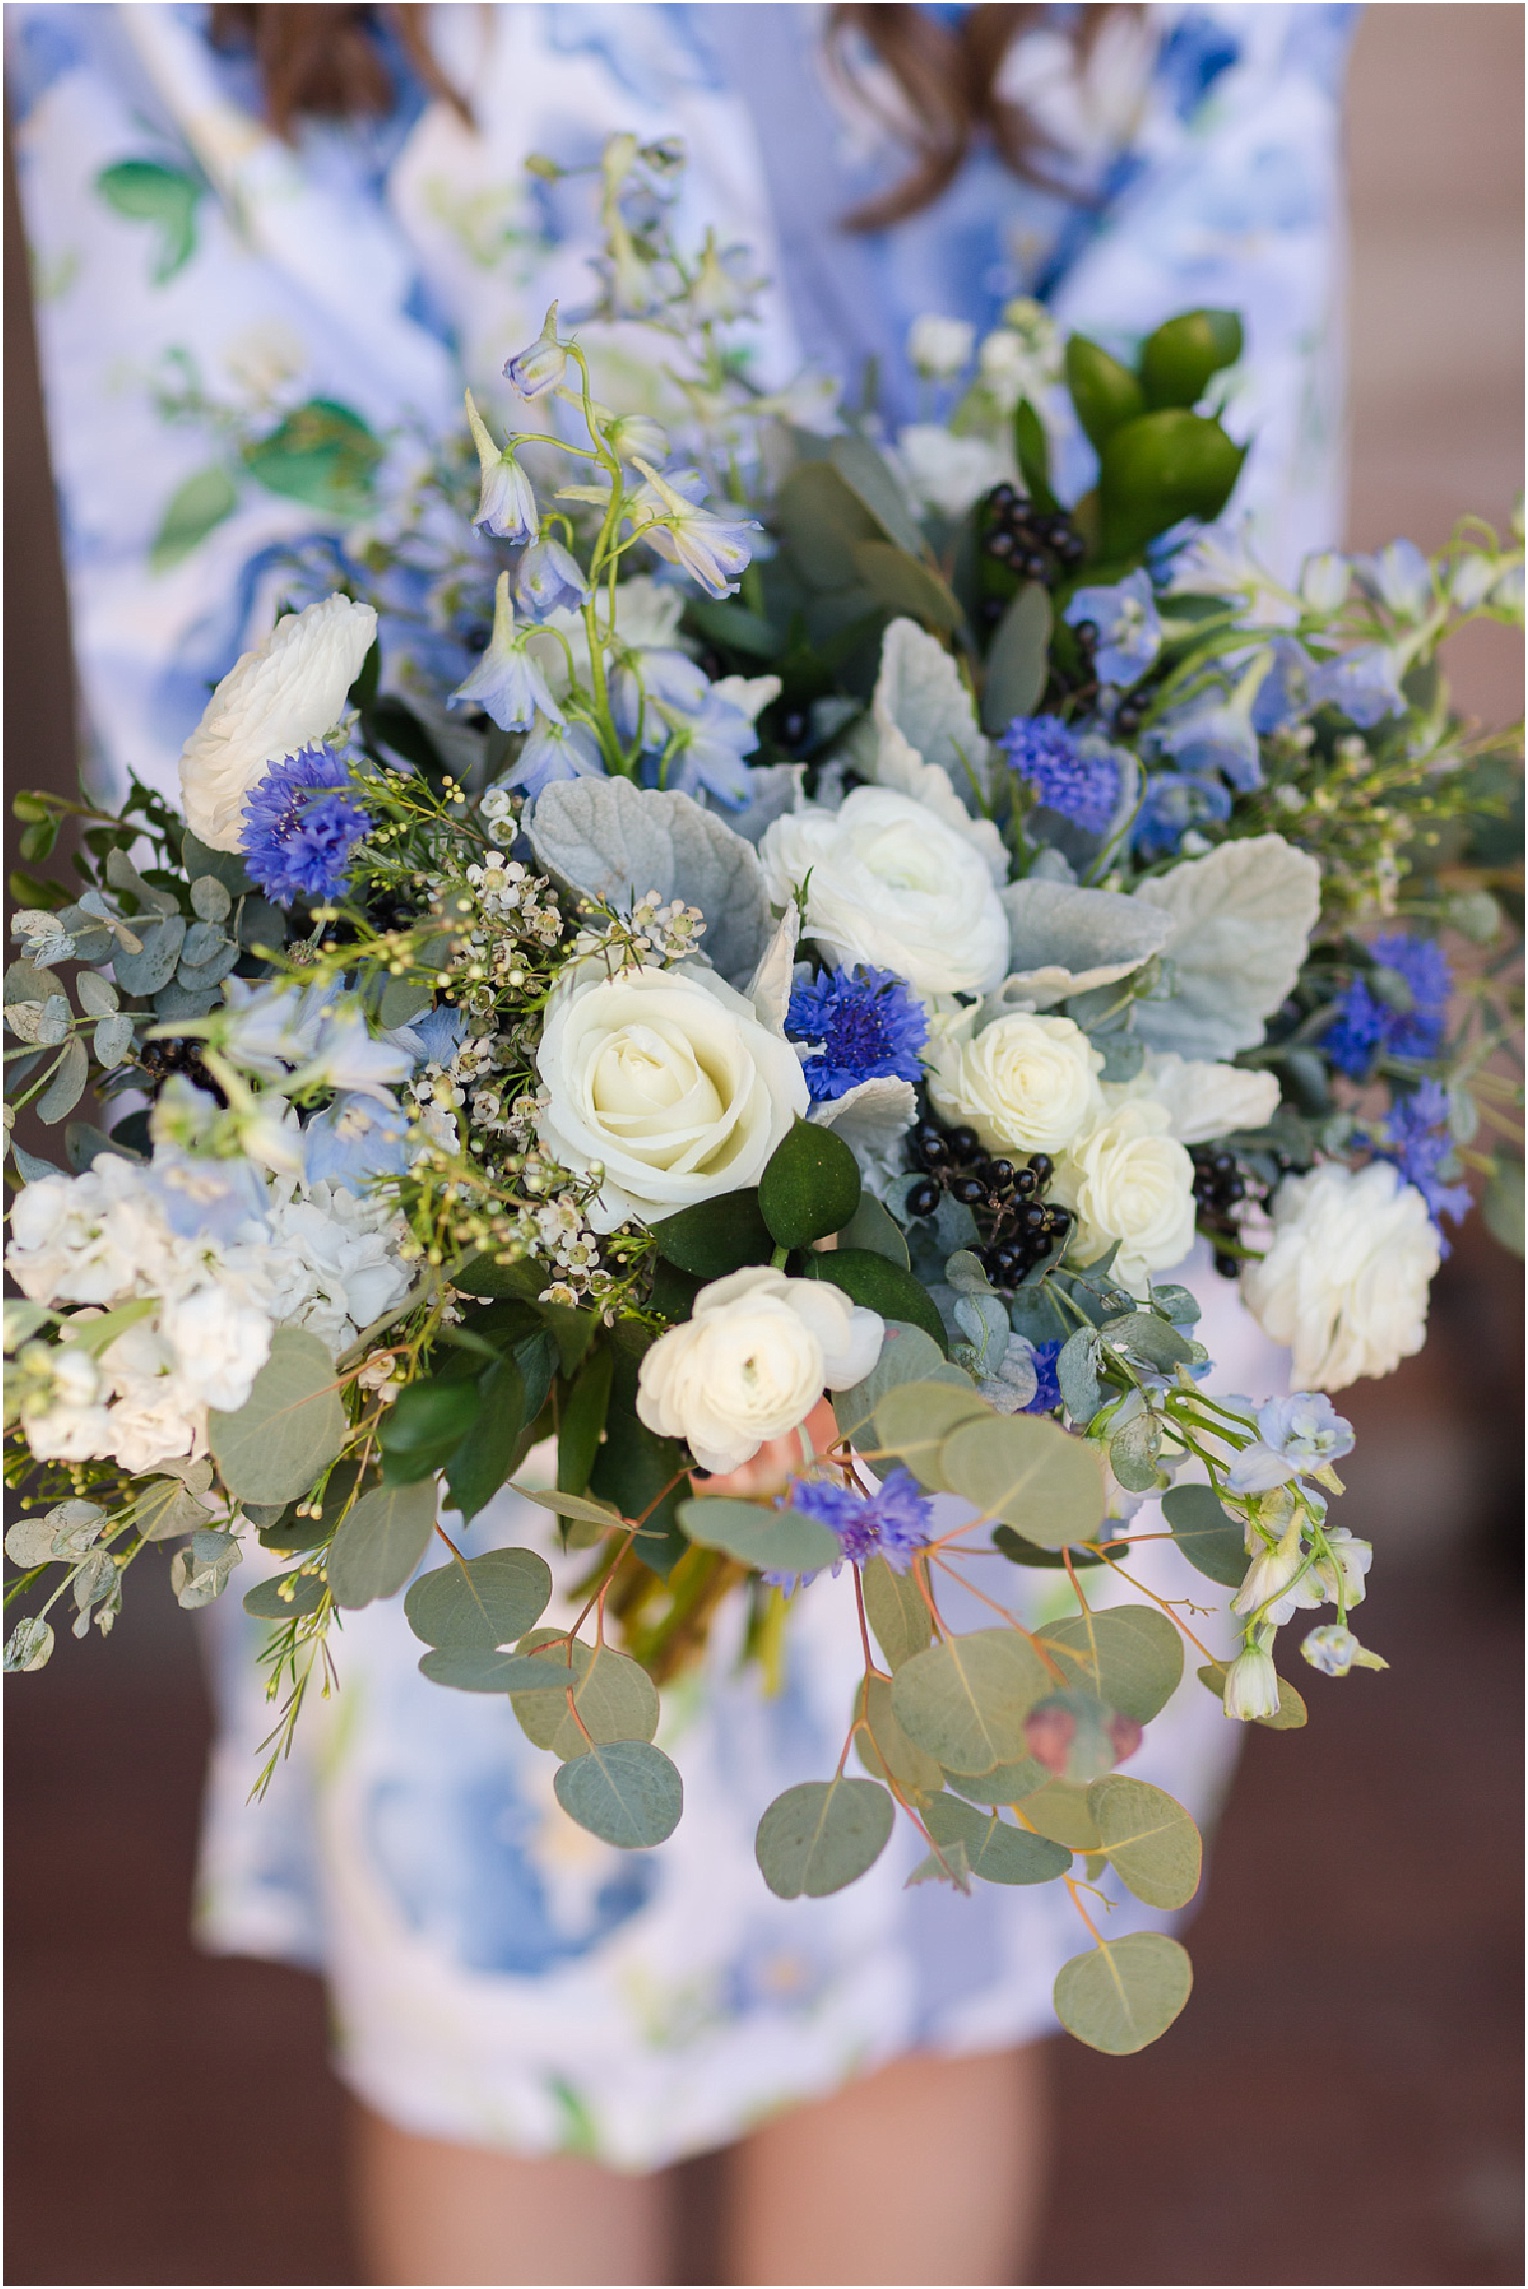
(157, 1060)
(1219, 1186)
(1130, 713)
(1029, 542)
(1018, 1227)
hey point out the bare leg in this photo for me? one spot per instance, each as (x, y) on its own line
(430, 2212)
(929, 2171)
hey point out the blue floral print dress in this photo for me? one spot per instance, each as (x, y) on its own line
(243, 344)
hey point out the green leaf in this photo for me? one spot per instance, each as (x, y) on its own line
(543, 1712)
(225, 866)
(615, 1698)
(628, 1794)
(1149, 1838)
(193, 510)
(478, 1603)
(774, 1541)
(1060, 1810)
(1029, 1473)
(880, 1286)
(378, 1544)
(1209, 1538)
(1178, 360)
(1131, 1656)
(908, 1355)
(902, 583)
(476, 1469)
(867, 476)
(1032, 451)
(1143, 1336)
(153, 966)
(1133, 1453)
(492, 1670)
(481, 1276)
(885, 1750)
(67, 1086)
(810, 1186)
(424, 1425)
(1160, 469)
(1290, 1715)
(145, 191)
(642, 1475)
(1502, 1205)
(995, 1850)
(821, 521)
(1105, 393)
(1004, 1784)
(285, 1596)
(820, 1836)
(1020, 1552)
(583, 1420)
(321, 454)
(913, 1421)
(290, 1427)
(572, 1506)
(965, 1700)
(897, 1612)
(280, 1528)
(1019, 661)
(1124, 1993)
(716, 1236)
(873, 1229)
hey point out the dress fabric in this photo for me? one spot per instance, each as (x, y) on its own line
(210, 302)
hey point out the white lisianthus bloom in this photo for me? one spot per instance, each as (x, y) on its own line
(890, 884)
(1205, 1099)
(752, 1361)
(666, 1082)
(1024, 1083)
(274, 700)
(939, 348)
(1128, 1179)
(1345, 1278)
(1252, 1686)
(945, 472)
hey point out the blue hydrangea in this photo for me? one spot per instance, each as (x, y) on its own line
(1078, 778)
(1416, 1139)
(301, 824)
(1129, 627)
(1047, 1389)
(1173, 802)
(890, 1524)
(862, 1024)
(1367, 1026)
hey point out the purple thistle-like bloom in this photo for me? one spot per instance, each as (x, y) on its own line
(866, 1025)
(1064, 772)
(1047, 1388)
(1367, 1026)
(301, 824)
(1416, 1139)
(889, 1524)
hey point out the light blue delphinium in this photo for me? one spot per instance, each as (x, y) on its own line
(1215, 733)
(354, 1141)
(348, 1056)
(1283, 696)
(506, 499)
(1129, 628)
(692, 736)
(713, 550)
(1301, 1433)
(1174, 803)
(203, 1198)
(555, 751)
(1362, 685)
(507, 684)
(1400, 576)
(549, 579)
(533, 371)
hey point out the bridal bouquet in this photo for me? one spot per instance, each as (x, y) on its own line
(871, 902)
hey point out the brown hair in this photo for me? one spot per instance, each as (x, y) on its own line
(327, 61)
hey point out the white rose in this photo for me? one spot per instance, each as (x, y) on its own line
(667, 1081)
(752, 1361)
(1344, 1282)
(1205, 1100)
(948, 473)
(1024, 1082)
(274, 700)
(1128, 1179)
(892, 885)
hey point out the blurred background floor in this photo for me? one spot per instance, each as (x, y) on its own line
(1342, 2100)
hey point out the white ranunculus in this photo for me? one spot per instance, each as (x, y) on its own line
(667, 1082)
(1344, 1281)
(1128, 1179)
(1024, 1083)
(1206, 1100)
(892, 885)
(752, 1361)
(946, 472)
(274, 700)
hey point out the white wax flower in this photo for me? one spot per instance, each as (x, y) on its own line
(1025, 1083)
(1344, 1281)
(752, 1361)
(667, 1082)
(1128, 1179)
(274, 700)
(890, 884)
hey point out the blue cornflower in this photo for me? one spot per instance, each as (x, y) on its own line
(1366, 1025)
(1047, 1389)
(1077, 777)
(1361, 685)
(890, 1524)
(1174, 801)
(1129, 627)
(1416, 1139)
(867, 1025)
(301, 824)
